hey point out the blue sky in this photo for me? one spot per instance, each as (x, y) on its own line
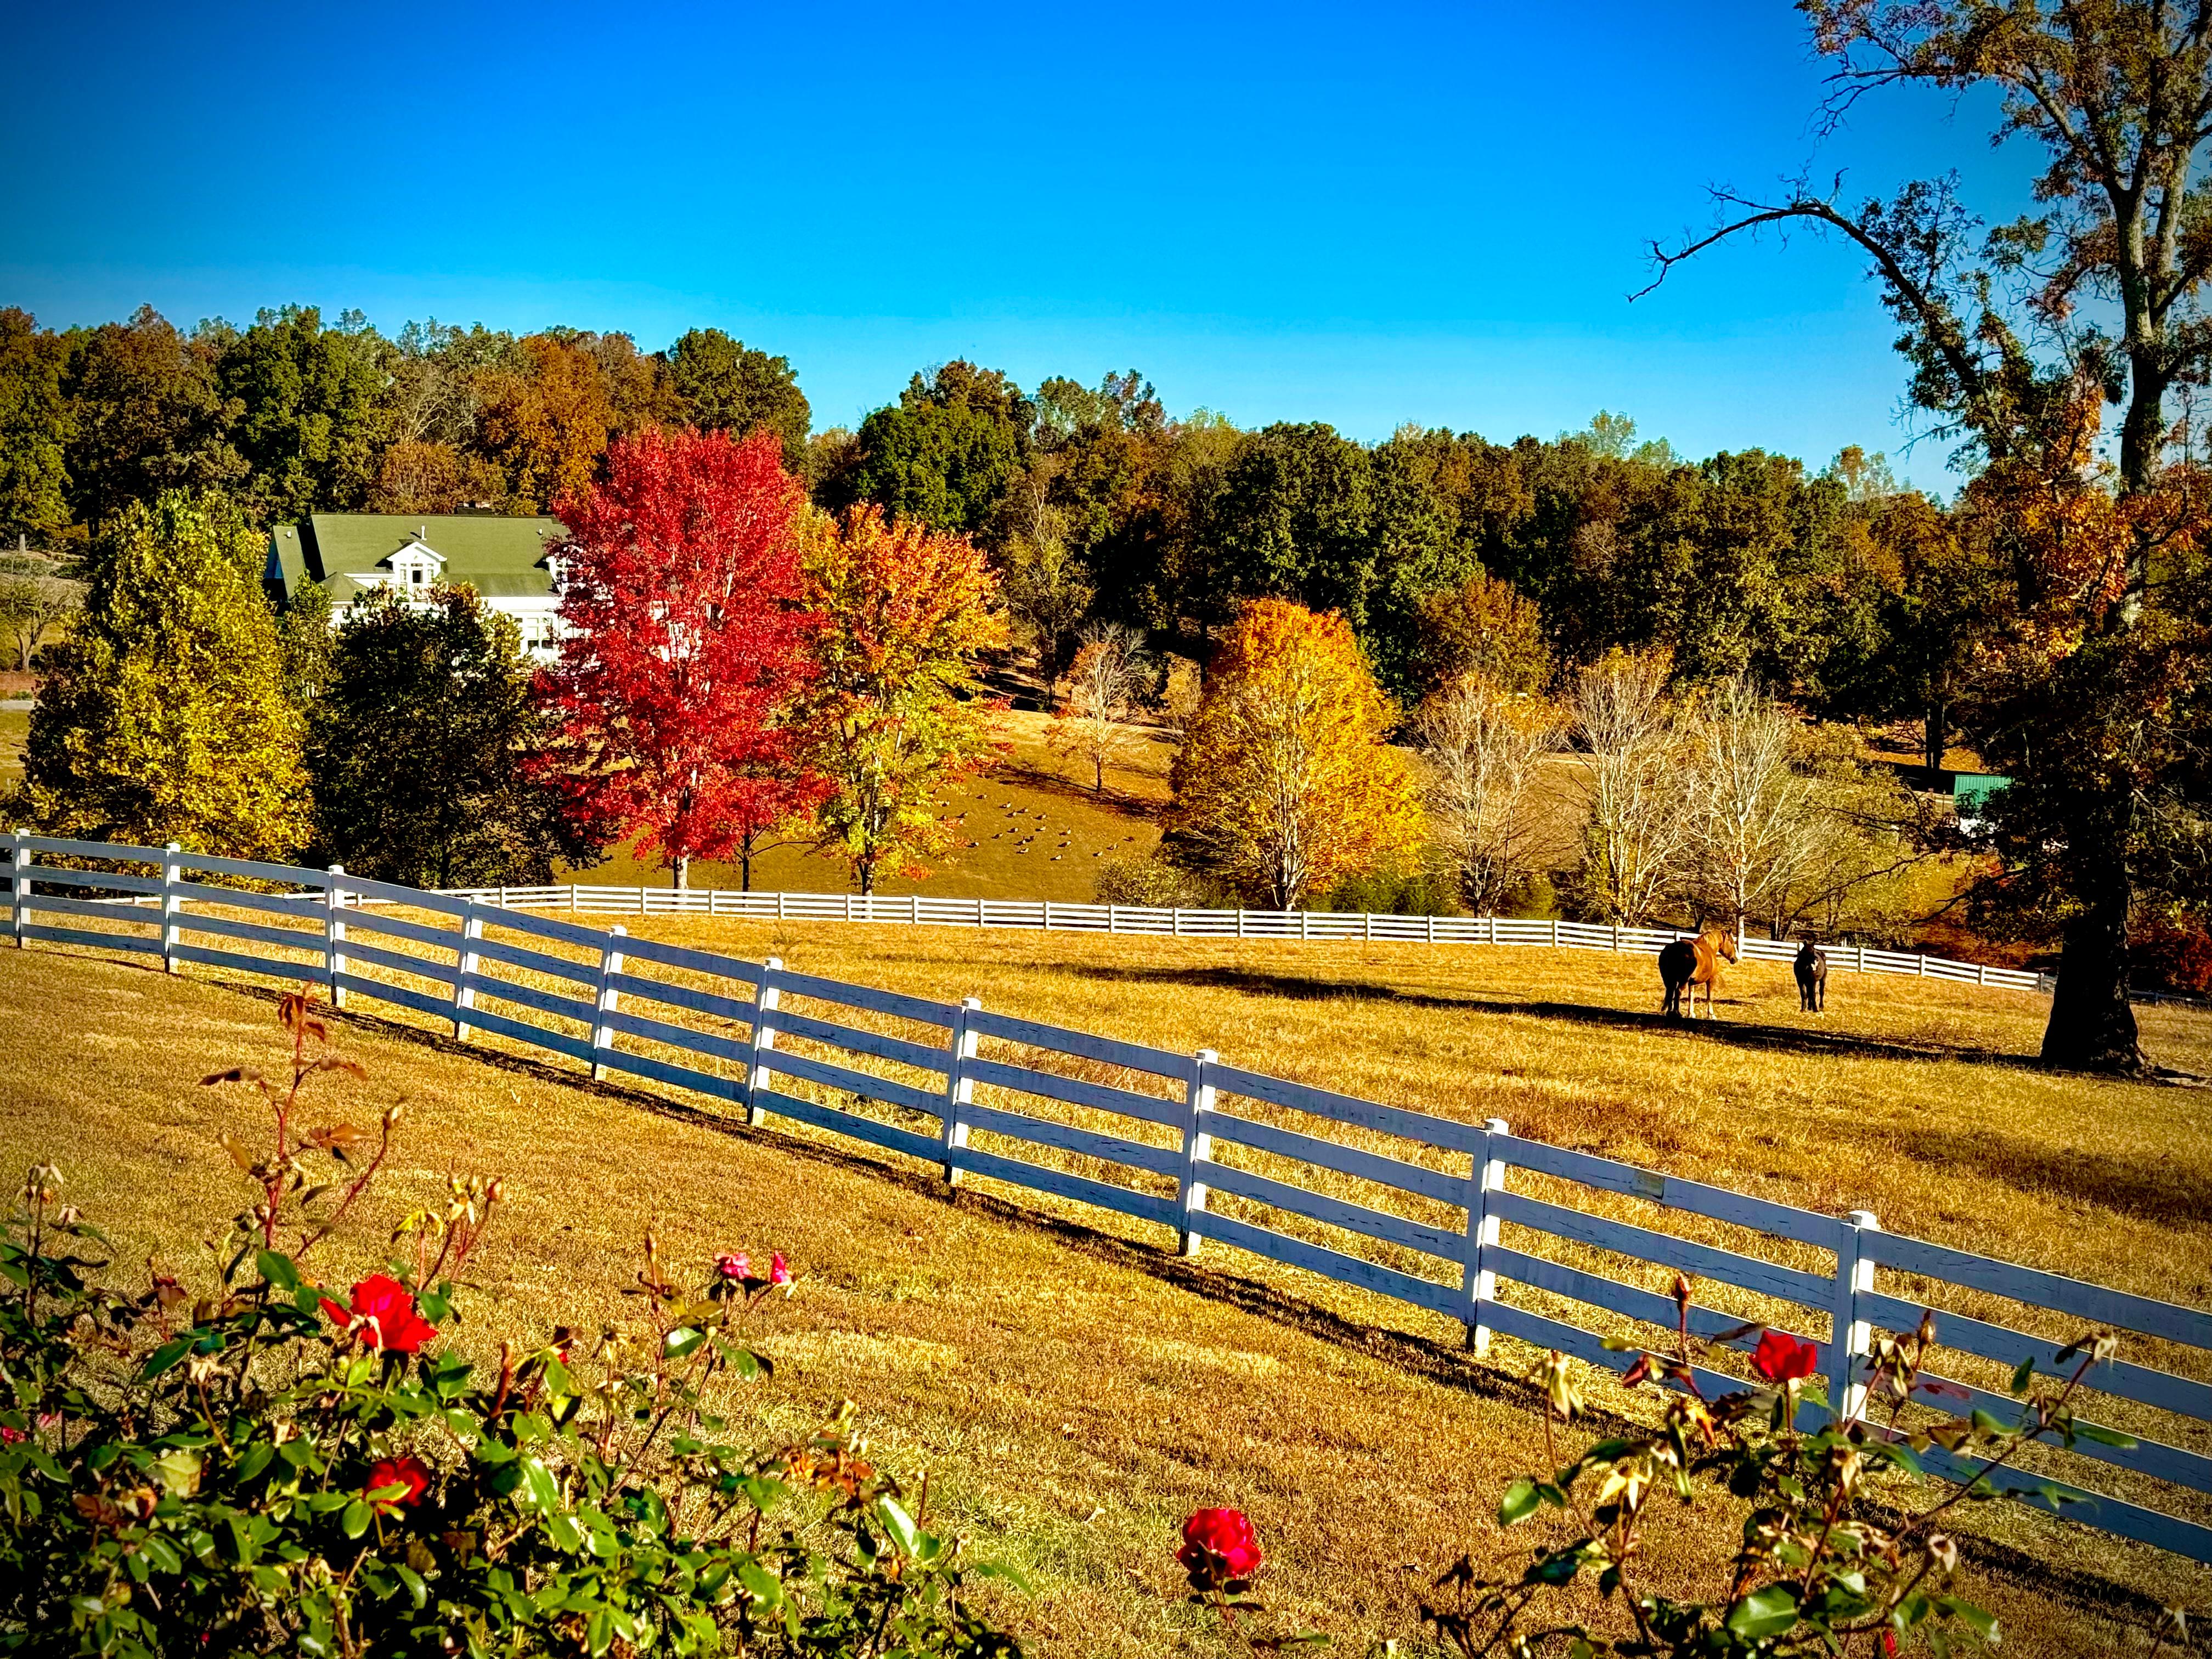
(1364, 216)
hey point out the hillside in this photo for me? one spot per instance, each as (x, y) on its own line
(1071, 1387)
(1030, 792)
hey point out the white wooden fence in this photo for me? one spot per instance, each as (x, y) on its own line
(1498, 1233)
(579, 899)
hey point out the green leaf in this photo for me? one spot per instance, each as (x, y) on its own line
(2021, 1373)
(537, 1481)
(354, 1520)
(413, 1580)
(2102, 1436)
(1521, 1501)
(682, 1342)
(1984, 1622)
(760, 1583)
(278, 1269)
(1012, 1575)
(1764, 1613)
(901, 1526)
(164, 1358)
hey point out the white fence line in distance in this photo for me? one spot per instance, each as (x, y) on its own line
(1054, 915)
(1495, 1232)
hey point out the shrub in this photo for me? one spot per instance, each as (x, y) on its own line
(1396, 893)
(1153, 880)
(263, 1466)
(1821, 1571)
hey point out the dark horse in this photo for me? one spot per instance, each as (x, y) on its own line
(1811, 966)
(1689, 963)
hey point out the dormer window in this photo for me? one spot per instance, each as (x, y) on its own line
(417, 576)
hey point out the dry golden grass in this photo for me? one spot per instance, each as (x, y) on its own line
(1031, 789)
(1071, 1387)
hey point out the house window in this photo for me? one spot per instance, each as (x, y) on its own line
(414, 574)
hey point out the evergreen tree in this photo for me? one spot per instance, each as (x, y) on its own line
(164, 717)
(419, 743)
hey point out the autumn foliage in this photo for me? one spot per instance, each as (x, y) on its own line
(1284, 781)
(893, 710)
(681, 592)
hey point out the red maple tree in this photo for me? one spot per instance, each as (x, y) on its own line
(680, 591)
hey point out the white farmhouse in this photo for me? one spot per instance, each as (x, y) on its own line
(511, 563)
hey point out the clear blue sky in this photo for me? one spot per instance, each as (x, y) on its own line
(1364, 216)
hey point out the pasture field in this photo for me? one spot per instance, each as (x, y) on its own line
(1030, 792)
(1071, 1387)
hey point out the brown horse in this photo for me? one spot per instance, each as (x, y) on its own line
(1686, 963)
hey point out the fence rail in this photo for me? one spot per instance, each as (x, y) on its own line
(1053, 915)
(1500, 1234)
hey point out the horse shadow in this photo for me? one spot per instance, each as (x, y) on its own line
(1773, 1039)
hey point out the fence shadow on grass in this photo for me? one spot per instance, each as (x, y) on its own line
(1778, 1039)
(1440, 1361)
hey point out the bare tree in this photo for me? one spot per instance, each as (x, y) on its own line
(1485, 745)
(1637, 827)
(35, 598)
(1098, 698)
(1756, 823)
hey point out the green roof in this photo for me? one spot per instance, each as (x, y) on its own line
(500, 557)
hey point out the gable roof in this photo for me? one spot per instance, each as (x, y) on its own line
(496, 555)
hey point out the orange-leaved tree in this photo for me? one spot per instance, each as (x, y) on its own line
(893, 711)
(1284, 782)
(680, 591)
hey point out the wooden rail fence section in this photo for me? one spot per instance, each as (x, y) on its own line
(1186, 1141)
(915, 909)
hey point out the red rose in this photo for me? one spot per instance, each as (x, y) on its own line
(1223, 1537)
(407, 1471)
(733, 1264)
(779, 1271)
(384, 1311)
(1781, 1358)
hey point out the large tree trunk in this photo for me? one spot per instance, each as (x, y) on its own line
(1935, 729)
(681, 874)
(2093, 1023)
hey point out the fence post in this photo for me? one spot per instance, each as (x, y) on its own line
(959, 1087)
(1048, 915)
(1240, 921)
(1432, 930)
(1616, 938)
(18, 889)
(603, 1034)
(766, 995)
(465, 966)
(1175, 922)
(1480, 1286)
(173, 935)
(572, 898)
(1849, 1333)
(1197, 1149)
(334, 934)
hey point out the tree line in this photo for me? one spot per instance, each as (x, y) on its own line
(1094, 504)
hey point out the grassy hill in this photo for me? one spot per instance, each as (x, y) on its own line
(1071, 1387)
(1029, 827)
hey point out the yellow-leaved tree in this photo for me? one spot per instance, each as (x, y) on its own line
(164, 716)
(1284, 782)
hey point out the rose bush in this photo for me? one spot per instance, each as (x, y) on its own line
(1822, 1569)
(262, 1468)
